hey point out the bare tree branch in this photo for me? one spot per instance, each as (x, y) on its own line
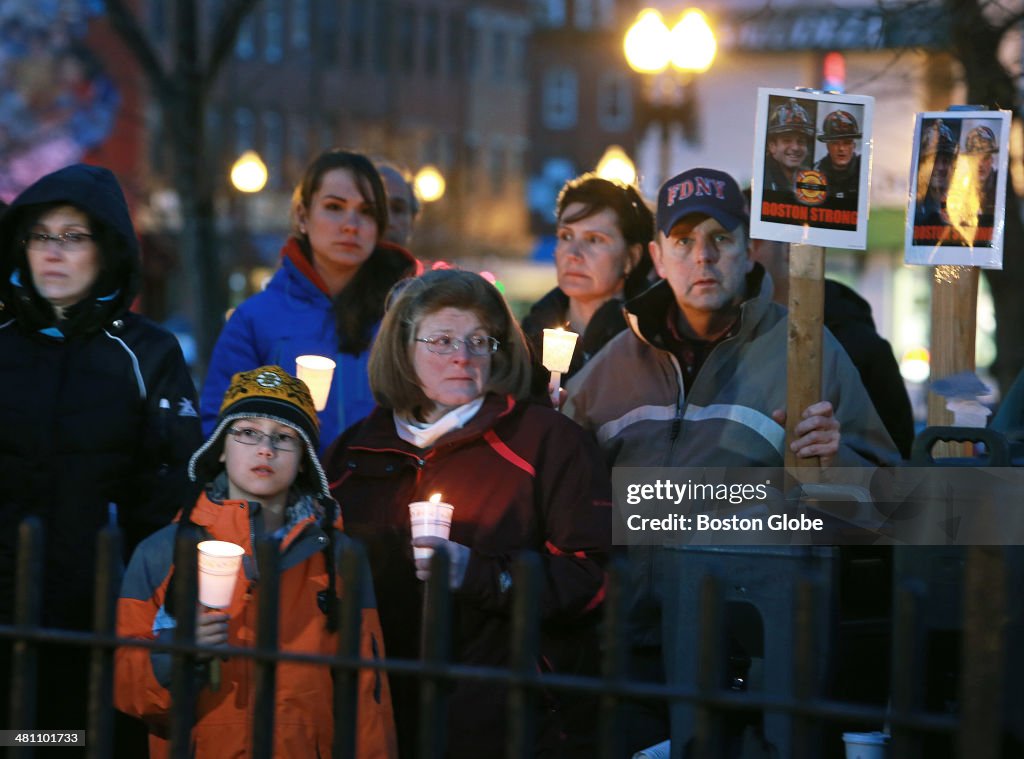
(1010, 22)
(881, 73)
(128, 29)
(225, 35)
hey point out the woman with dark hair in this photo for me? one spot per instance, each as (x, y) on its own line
(98, 409)
(601, 259)
(450, 370)
(327, 298)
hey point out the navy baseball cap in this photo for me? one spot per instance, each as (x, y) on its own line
(706, 191)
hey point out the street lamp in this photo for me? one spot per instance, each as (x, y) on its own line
(429, 184)
(651, 46)
(616, 165)
(249, 176)
(646, 43)
(693, 42)
(672, 57)
(249, 173)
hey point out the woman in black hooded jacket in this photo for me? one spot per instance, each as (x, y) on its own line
(98, 408)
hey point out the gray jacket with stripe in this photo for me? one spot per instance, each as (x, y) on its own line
(631, 397)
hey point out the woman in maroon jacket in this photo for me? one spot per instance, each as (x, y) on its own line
(450, 372)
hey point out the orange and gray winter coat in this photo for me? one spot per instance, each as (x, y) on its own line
(303, 721)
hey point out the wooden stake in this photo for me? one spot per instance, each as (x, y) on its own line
(804, 344)
(953, 329)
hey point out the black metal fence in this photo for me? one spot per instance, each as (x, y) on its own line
(800, 703)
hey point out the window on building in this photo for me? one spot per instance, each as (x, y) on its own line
(213, 9)
(499, 55)
(380, 50)
(496, 169)
(273, 31)
(431, 42)
(406, 23)
(514, 162)
(298, 145)
(444, 151)
(551, 12)
(300, 24)
(559, 98)
(473, 52)
(471, 152)
(357, 33)
(614, 101)
(245, 131)
(456, 45)
(245, 43)
(605, 13)
(273, 147)
(583, 14)
(214, 129)
(158, 20)
(327, 32)
(517, 56)
(326, 138)
(157, 140)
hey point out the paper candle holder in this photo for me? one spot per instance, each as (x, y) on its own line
(317, 372)
(559, 345)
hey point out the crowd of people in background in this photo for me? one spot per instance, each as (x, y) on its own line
(681, 362)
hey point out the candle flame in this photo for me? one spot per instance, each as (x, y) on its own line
(435, 498)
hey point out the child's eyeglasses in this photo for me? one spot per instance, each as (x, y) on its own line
(279, 441)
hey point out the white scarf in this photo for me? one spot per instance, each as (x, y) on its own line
(425, 435)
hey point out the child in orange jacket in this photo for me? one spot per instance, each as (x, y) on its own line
(262, 477)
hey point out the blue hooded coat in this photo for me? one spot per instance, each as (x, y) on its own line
(292, 317)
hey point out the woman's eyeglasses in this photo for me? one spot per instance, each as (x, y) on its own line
(476, 345)
(70, 241)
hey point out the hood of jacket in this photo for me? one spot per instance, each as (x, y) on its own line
(843, 306)
(95, 191)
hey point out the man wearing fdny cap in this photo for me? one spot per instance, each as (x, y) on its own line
(699, 379)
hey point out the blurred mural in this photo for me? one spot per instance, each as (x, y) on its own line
(56, 101)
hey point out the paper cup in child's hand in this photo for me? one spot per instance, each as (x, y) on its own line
(219, 562)
(433, 518)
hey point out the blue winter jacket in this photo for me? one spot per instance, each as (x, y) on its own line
(290, 318)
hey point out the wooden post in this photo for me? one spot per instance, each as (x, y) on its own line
(953, 328)
(804, 344)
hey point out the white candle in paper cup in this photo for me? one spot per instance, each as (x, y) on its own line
(866, 745)
(219, 562)
(317, 372)
(430, 518)
(559, 345)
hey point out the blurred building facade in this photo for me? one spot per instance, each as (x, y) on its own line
(415, 82)
(582, 98)
(508, 98)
